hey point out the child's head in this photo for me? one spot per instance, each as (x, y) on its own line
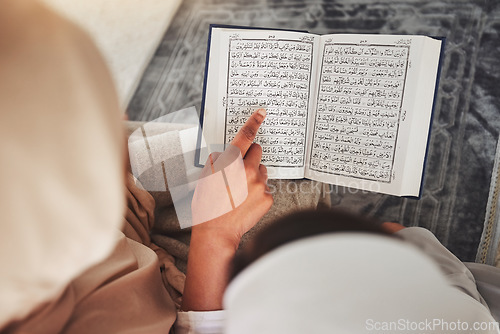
(300, 225)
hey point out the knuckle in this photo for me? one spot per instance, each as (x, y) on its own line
(262, 188)
(257, 119)
(257, 147)
(248, 133)
(250, 172)
(269, 199)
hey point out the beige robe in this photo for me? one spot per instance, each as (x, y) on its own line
(122, 294)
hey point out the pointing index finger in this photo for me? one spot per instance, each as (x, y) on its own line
(245, 137)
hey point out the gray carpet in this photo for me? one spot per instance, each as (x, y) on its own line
(466, 122)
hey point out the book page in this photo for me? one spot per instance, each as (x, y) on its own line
(249, 69)
(373, 112)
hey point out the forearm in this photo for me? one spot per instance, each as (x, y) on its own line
(208, 267)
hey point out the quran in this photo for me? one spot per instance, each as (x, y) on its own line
(353, 110)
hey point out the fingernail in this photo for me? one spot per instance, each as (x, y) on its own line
(262, 112)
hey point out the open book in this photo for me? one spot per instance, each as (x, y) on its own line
(347, 109)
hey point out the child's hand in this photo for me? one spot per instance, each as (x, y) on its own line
(214, 243)
(229, 228)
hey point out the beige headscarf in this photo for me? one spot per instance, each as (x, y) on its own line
(61, 189)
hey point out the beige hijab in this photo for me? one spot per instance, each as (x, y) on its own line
(61, 189)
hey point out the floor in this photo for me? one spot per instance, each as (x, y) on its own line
(113, 24)
(466, 122)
